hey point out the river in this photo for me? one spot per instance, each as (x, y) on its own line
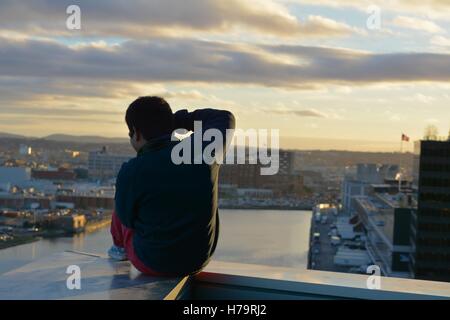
(267, 237)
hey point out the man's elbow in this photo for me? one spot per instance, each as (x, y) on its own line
(230, 119)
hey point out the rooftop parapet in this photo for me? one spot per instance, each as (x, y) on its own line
(104, 279)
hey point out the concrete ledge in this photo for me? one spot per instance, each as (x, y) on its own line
(101, 279)
(227, 280)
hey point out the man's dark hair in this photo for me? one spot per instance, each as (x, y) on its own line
(152, 116)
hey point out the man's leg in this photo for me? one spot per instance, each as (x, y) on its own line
(117, 231)
(123, 238)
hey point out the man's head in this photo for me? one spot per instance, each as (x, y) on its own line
(148, 118)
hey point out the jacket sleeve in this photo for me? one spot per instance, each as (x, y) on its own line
(222, 120)
(125, 197)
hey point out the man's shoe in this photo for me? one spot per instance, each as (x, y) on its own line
(117, 253)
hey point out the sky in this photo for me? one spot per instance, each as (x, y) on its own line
(347, 74)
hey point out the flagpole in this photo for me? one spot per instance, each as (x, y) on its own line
(401, 146)
(400, 169)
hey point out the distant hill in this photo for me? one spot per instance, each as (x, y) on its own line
(68, 138)
(9, 135)
(286, 142)
(84, 139)
(356, 145)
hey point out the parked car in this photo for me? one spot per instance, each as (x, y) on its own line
(317, 217)
(355, 270)
(316, 236)
(355, 246)
(335, 240)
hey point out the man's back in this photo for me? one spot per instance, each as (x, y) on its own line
(172, 208)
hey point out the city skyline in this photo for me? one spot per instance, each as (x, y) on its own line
(309, 68)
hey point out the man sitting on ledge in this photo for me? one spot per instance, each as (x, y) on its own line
(166, 214)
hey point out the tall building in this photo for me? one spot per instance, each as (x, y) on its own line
(430, 227)
(416, 164)
(103, 164)
(387, 219)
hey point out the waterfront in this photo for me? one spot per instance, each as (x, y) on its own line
(268, 237)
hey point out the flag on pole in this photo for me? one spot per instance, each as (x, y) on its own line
(405, 137)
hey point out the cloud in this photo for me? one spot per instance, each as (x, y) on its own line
(423, 98)
(440, 41)
(49, 90)
(300, 113)
(59, 67)
(392, 116)
(432, 8)
(144, 19)
(321, 26)
(417, 24)
(419, 97)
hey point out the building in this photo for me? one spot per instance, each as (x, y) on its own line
(103, 165)
(255, 193)
(21, 201)
(313, 181)
(367, 172)
(351, 189)
(288, 162)
(431, 225)
(249, 176)
(283, 184)
(85, 201)
(73, 223)
(367, 175)
(389, 171)
(61, 174)
(240, 175)
(287, 182)
(416, 163)
(387, 219)
(373, 173)
(25, 150)
(14, 175)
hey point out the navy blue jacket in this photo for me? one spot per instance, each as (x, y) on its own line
(173, 208)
